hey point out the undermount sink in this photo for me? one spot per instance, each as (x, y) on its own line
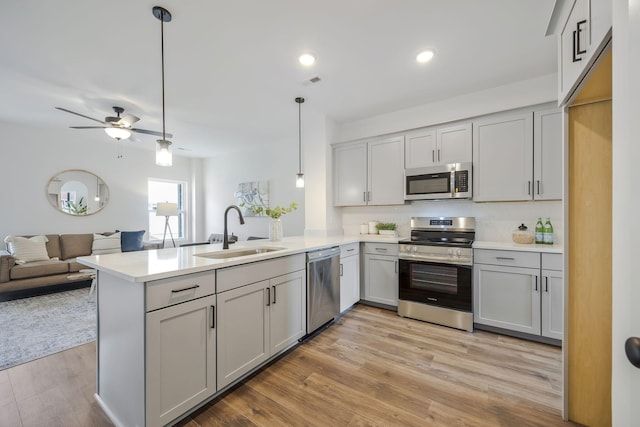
(233, 253)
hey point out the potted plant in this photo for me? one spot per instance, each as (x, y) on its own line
(275, 228)
(387, 228)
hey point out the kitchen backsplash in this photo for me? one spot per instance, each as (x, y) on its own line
(494, 221)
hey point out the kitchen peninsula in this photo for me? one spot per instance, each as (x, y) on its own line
(178, 326)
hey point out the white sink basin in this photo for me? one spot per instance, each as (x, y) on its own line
(234, 253)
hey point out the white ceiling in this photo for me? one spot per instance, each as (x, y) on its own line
(231, 67)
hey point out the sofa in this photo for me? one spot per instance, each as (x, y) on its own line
(58, 265)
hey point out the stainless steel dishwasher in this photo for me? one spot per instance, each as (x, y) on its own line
(323, 287)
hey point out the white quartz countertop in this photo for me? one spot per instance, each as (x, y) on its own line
(144, 266)
(510, 246)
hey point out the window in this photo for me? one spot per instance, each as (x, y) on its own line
(172, 192)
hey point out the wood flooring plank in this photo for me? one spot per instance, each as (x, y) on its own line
(9, 414)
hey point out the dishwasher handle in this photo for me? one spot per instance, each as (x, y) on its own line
(323, 254)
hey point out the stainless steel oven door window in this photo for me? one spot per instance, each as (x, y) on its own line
(439, 284)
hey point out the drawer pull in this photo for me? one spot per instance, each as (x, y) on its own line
(381, 249)
(351, 250)
(505, 258)
(175, 291)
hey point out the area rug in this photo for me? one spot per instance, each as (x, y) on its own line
(31, 328)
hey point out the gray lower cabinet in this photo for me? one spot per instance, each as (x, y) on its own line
(513, 291)
(181, 358)
(258, 320)
(381, 273)
(349, 275)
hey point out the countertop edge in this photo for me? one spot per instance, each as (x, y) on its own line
(510, 246)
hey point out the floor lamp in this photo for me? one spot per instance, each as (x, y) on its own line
(166, 210)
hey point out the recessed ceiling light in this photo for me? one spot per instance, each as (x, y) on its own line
(424, 56)
(307, 59)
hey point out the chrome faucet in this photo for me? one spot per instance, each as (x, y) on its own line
(225, 241)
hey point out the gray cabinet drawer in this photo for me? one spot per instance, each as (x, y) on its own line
(552, 261)
(165, 292)
(507, 258)
(244, 274)
(349, 249)
(381, 248)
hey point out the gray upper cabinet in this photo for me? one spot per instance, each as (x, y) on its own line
(503, 157)
(369, 172)
(438, 145)
(583, 28)
(518, 156)
(547, 154)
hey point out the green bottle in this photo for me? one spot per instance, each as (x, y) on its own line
(539, 232)
(548, 233)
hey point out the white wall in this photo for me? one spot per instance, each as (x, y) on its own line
(31, 156)
(277, 163)
(508, 97)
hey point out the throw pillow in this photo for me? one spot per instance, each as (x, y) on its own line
(131, 240)
(106, 244)
(27, 249)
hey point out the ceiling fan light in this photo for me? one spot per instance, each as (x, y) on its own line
(163, 153)
(118, 133)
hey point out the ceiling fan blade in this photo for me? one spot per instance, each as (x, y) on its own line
(88, 127)
(128, 120)
(81, 115)
(134, 138)
(151, 132)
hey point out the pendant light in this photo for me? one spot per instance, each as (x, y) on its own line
(299, 175)
(163, 146)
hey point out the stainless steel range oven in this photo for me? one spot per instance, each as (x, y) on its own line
(436, 271)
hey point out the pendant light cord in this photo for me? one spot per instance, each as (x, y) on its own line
(299, 142)
(162, 55)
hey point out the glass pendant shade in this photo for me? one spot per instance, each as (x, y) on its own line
(300, 180)
(118, 133)
(163, 153)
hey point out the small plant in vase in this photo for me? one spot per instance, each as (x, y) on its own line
(275, 213)
(387, 228)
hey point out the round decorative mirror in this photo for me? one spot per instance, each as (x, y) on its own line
(77, 192)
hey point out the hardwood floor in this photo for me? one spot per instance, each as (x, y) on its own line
(370, 368)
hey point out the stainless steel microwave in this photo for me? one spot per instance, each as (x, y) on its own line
(450, 181)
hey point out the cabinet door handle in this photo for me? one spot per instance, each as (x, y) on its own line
(536, 283)
(505, 258)
(213, 317)
(529, 188)
(438, 154)
(364, 196)
(368, 196)
(546, 283)
(576, 41)
(341, 270)
(538, 183)
(268, 297)
(433, 156)
(396, 267)
(175, 291)
(274, 294)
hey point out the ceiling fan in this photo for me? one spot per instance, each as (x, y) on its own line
(116, 127)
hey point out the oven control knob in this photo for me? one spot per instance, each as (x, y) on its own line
(415, 249)
(450, 252)
(458, 253)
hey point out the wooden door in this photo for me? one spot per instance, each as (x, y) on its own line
(588, 338)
